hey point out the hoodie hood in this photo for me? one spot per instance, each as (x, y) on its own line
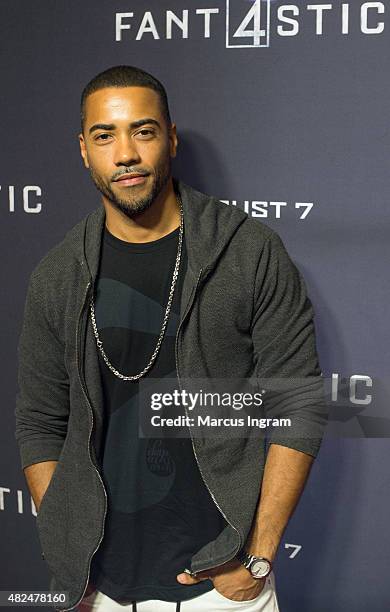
(209, 224)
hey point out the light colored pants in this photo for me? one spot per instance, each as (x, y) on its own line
(212, 601)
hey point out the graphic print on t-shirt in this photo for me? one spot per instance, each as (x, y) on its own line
(148, 458)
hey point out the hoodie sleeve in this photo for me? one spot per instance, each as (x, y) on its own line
(42, 400)
(286, 359)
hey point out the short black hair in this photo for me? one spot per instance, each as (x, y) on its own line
(125, 76)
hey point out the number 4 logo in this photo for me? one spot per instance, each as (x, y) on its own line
(250, 25)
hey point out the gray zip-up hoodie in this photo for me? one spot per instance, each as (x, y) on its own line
(244, 314)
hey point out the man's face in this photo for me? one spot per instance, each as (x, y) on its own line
(127, 146)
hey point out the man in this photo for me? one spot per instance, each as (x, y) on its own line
(161, 281)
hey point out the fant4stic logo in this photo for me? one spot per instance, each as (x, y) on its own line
(251, 23)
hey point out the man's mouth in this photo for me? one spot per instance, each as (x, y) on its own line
(131, 179)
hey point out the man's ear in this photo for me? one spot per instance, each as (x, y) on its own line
(173, 142)
(83, 150)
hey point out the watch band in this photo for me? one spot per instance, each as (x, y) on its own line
(245, 558)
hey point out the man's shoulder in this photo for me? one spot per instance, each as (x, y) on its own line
(63, 256)
(254, 231)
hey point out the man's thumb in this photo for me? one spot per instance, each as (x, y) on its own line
(185, 578)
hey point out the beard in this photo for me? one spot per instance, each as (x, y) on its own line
(133, 205)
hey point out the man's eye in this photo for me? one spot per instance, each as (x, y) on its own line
(102, 137)
(146, 133)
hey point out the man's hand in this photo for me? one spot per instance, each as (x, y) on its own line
(232, 580)
(38, 477)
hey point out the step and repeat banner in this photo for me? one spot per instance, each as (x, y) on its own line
(283, 110)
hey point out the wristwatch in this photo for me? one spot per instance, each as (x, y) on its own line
(259, 567)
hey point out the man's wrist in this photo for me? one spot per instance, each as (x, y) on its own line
(261, 546)
(258, 566)
(266, 553)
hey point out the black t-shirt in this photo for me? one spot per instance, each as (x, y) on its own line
(159, 512)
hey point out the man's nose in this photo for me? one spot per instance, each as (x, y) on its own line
(126, 152)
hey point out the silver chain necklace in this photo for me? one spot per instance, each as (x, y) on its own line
(165, 320)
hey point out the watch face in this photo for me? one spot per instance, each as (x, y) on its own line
(260, 568)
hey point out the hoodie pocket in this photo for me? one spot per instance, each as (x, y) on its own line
(48, 488)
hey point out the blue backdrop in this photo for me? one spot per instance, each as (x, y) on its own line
(283, 110)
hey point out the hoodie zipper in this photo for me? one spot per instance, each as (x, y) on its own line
(83, 386)
(82, 383)
(192, 441)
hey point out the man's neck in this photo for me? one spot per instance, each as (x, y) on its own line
(161, 218)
